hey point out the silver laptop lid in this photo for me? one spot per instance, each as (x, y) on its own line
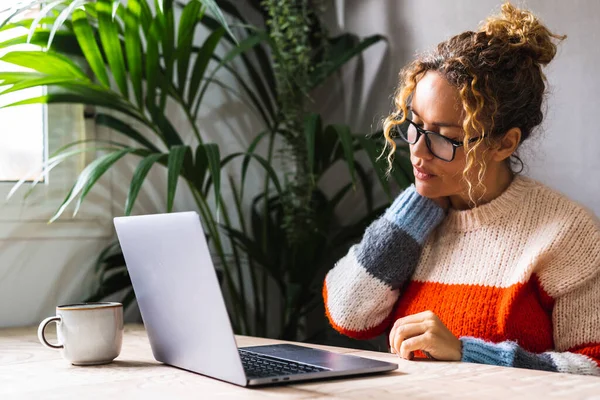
(179, 295)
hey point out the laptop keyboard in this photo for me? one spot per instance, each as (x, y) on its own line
(260, 366)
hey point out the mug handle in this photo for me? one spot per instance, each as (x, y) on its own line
(41, 329)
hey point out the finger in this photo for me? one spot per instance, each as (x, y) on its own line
(420, 342)
(404, 332)
(415, 318)
(409, 319)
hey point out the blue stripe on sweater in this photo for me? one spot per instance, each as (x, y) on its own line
(391, 246)
(415, 214)
(505, 354)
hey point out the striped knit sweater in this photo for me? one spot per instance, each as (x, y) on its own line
(517, 280)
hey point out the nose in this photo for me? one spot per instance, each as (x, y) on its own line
(420, 149)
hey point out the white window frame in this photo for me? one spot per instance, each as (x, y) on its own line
(28, 218)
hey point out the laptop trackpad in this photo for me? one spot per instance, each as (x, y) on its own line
(307, 355)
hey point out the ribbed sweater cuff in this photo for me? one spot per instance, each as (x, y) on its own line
(479, 351)
(415, 214)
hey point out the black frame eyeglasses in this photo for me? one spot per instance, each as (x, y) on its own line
(433, 140)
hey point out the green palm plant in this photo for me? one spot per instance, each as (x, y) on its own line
(150, 63)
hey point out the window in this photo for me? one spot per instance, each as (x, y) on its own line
(23, 128)
(27, 135)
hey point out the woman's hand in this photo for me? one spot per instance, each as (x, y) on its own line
(425, 332)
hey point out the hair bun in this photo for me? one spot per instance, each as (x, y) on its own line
(522, 30)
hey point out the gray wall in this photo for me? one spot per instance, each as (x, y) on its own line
(563, 153)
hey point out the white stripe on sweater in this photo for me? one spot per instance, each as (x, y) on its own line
(574, 363)
(576, 316)
(356, 300)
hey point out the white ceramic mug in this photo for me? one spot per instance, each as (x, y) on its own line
(88, 333)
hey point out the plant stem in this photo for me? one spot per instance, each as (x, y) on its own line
(251, 265)
(186, 109)
(238, 267)
(265, 281)
(214, 233)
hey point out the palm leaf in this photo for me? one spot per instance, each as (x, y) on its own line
(138, 178)
(53, 162)
(88, 178)
(200, 166)
(335, 200)
(85, 97)
(128, 298)
(49, 63)
(215, 11)
(64, 42)
(114, 284)
(312, 128)
(370, 148)
(152, 63)
(202, 59)
(246, 44)
(168, 52)
(166, 129)
(133, 48)
(26, 23)
(62, 17)
(177, 155)
(248, 157)
(267, 91)
(264, 163)
(267, 115)
(41, 81)
(109, 37)
(346, 140)
(17, 11)
(125, 129)
(106, 254)
(87, 42)
(185, 38)
(214, 165)
(403, 164)
(341, 57)
(10, 78)
(40, 15)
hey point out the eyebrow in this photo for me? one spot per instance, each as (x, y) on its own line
(440, 124)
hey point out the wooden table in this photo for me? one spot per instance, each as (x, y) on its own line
(28, 370)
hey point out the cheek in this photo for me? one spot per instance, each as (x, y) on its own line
(452, 171)
(449, 180)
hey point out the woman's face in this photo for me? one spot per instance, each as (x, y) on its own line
(436, 107)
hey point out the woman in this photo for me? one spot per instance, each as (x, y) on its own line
(475, 262)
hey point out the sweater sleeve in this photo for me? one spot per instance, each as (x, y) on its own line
(572, 280)
(576, 320)
(361, 289)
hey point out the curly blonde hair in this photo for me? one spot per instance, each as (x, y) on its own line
(498, 73)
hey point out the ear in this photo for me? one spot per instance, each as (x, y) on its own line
(507, 145)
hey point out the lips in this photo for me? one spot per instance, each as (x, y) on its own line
(422, 174)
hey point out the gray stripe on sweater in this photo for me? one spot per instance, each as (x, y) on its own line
(542, 362)
(388, 253)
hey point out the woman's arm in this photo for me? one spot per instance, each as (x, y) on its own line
(362, 288)
(576, 320)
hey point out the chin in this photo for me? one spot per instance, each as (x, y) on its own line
(427, 189)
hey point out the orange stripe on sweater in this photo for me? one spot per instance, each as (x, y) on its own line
(521, 312)
(366, 334)
(591, 350)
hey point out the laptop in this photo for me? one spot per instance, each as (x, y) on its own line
(188, 326)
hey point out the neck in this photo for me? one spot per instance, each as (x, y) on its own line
(496, 183)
